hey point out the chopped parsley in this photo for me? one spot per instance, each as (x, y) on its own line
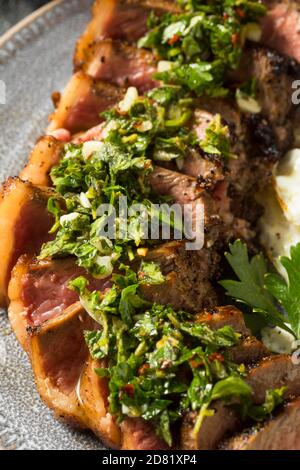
(203, 43)
(155, 128)
(160, 363)
(217, 139)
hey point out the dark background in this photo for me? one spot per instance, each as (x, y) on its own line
(12, 11)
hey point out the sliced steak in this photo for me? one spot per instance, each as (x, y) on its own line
(249, 351)
(46, 153)
(119, 19)
(21, 206)
(274, 372)
(190, 193)
(278, 433)
(82, 102)
(270, 373)
(213, 429)
(45, 291)
(58, 354)
(188, 277)
(281, 27)
(181, 188)
(93, 396)
(120, 64)
(261, 142)
(207, 170)
(218, 317)
(274, 74)
(95, 133)
(38, 292)
(140, 435)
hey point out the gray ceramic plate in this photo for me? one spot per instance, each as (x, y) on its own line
(35, 59)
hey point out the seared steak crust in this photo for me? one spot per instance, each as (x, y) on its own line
(279, 433)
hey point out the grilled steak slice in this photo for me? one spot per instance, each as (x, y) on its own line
(261, 141)
(188, 277)
(82, 101)
(190, 193)
(281, 27)
(21, 206)
(44, 156)
(274, 74)
(214, 428)
(274, 372)
(58, 354)
(119, 19)
(208, 171)
(249, 351)
(120, 64)
(218, 317)
(139, 435)
(133, 434)
(181, 188)
(270, 373)
(239, 173)
(93, 396)
(198, 203)
(38, 292)
(267, 136)
(278, 433)
(95, 133)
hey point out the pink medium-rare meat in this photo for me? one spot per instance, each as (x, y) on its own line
(140, 435)
(38, 292)
(24, 214)
(281, 27)
(45, 291)
(82, 103)
(121, 64)
(119, 19)
(58, 353)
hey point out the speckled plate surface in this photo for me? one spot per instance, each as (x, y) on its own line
(35, 59)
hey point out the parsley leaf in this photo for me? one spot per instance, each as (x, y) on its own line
(287, 293)
(262, 291)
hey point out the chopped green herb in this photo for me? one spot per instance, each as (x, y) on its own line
(202, 43)
(160, 363)
(216, 139)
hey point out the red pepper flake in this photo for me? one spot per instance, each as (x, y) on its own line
(216, 357)
(143, 369)
(174, 39)
(195, 363)
(235, 39)
(129, 390)
(225, 16)
(141, 274)
(241, 13)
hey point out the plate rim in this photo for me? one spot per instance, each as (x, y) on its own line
(27, 21)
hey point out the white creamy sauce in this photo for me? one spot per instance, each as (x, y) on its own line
(280, 225)
(280, 229)
(278, 340)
